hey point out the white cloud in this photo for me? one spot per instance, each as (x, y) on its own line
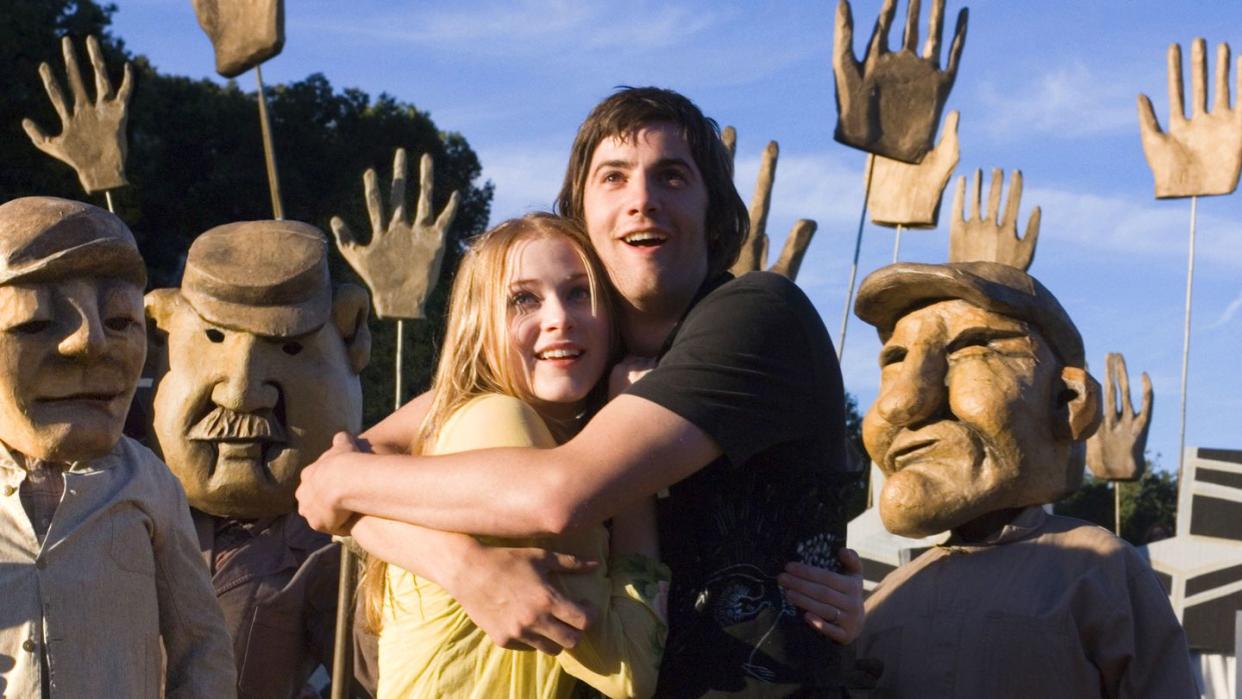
(1067, 101)
(1228, 314)
(527, 178)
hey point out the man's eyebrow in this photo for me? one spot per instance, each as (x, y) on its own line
(614, 163)
(674, 162)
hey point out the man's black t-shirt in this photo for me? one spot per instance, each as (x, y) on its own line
(751, 365)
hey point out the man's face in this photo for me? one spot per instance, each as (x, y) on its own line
(963, 424)
(645, 206)
(71, 352)
(239, 415)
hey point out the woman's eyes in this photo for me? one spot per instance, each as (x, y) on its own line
(523, 300)
(580, 293)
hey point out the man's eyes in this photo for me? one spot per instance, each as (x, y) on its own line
(120, 323)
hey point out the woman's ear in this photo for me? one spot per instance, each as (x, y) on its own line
(351, 306)
(1081, 397)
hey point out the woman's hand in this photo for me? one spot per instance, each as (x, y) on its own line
(626, 372)
(833, 602)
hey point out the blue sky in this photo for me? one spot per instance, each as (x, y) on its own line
(1046, 87)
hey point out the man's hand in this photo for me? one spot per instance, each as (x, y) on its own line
(833, 601)
(890, 104)
(1202, 155)
(1115, 451)
(401, 264)
(992, 238)
(317, 493)
(92, 138)
(628, 371)
(509, 593)
(901, 194)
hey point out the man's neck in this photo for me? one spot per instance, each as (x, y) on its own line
(645, 327)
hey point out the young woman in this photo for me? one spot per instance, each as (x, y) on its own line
(529, 337)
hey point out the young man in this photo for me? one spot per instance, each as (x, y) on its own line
(741, 422)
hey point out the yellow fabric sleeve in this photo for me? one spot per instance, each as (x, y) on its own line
(429, 647)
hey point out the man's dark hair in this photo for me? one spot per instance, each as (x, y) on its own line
(632, 108)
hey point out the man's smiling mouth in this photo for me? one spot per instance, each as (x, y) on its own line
(644, 239)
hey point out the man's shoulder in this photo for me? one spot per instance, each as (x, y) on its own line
(756, 297)
(143, 468)
(1076, 533)
(774, 285)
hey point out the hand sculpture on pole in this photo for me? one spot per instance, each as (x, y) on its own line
(754, 252)
(890, 104)
(992, 239)
(1202, 155)
(92, 138)
(902, 194)
(402, 262)
(1115, 451)
(244, 33)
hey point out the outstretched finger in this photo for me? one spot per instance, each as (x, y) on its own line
(54, 94)
(976, 186)
(344, 237)
(1145, 412)
(910, 38)
(959, 199)
(1030, 240)
(396, 196)
(74, 74)
(1198, 77)
(127, 85)
(842, 42)
(103, 88)
(1222, 78)
(948, 146)
(1123, 385)
(959, 42)
(1177, 97)
(1148, 125)
(1014, 201)
(375, 207)
(935, 33)
(445, 219)
(426, 172)
(1112, 402)
(879, 35)
(994, 195)
(36, 134)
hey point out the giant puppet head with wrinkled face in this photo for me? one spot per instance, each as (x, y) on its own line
(256, 358)
(72, 338)
(984, 403)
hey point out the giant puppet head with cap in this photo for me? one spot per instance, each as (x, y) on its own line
(256, 357)
(985, 402)
(71, 328)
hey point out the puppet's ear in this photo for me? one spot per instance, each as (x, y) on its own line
(1082, 402)
(351, 306)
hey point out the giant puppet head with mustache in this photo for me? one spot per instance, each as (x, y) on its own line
(256, 359)
(985, 403)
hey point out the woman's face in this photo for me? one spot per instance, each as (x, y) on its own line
(558, 339)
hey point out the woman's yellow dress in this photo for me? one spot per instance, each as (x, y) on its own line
(428, 647)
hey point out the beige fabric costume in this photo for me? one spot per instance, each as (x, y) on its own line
(1049, 607)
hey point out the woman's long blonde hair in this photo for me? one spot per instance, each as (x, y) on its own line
(474, 358)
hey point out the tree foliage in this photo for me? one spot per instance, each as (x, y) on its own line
(1148, 505)
(196, 161)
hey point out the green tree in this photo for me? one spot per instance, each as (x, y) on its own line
(196, 161)
(1147, 505)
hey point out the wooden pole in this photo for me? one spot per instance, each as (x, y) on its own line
(397, 377)
(269, 151)
(1190, 278)
(342, 647)
(849, 295)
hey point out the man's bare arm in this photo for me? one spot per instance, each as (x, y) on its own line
(526, 611)
(632, 448)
